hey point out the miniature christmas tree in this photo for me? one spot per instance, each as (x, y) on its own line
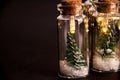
(107, 41)
(73, 53)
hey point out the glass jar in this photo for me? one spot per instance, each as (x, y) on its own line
(73, 42)
(106, 50)
(89, 9)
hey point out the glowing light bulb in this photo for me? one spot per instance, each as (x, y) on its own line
(86, 24)
(99, 19)
(86, 20)
(119, 26)
(86, 28)
(104, 29)
(72, 24)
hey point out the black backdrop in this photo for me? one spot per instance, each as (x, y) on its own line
(28, 40)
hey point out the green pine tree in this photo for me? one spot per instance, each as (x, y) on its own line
(106, 41)
(73, 53)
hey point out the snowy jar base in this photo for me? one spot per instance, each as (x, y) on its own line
(105, 64)
(67, 71)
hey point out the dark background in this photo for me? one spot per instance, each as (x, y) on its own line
(28, 39)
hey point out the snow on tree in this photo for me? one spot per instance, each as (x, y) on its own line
(74, 56)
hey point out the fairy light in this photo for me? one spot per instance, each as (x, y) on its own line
(72, 24)
(86, 24)
(104, 29)
(99, 19)
(103, 22)
(119, 26)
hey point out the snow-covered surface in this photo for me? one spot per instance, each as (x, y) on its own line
(69, 71)
(106, 64)
(101, 51)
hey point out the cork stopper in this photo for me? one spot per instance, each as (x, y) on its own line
(71, 2)
(107, 0)
(70, 7)
(107, 6)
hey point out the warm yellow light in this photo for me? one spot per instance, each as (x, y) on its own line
(86, 24)
(119, 26)
(87, 30)
(86, 27)
(72, 24)
(99, 19)
(116, 18)
(105, 29)
(86, 20)
(59, 24)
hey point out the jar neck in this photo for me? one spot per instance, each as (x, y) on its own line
(67, 16)
(108, 14)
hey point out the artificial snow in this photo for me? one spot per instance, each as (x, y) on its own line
(70, 71)
(106, 64)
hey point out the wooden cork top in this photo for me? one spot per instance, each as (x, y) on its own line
(107, 6)
(70, 7)
(71, 2)
(107, 0)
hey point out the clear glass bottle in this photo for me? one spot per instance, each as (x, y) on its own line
(89, 9)
(107, 38)
(73, 41)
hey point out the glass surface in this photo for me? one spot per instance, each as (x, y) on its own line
(106, 43)
(73, 47)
